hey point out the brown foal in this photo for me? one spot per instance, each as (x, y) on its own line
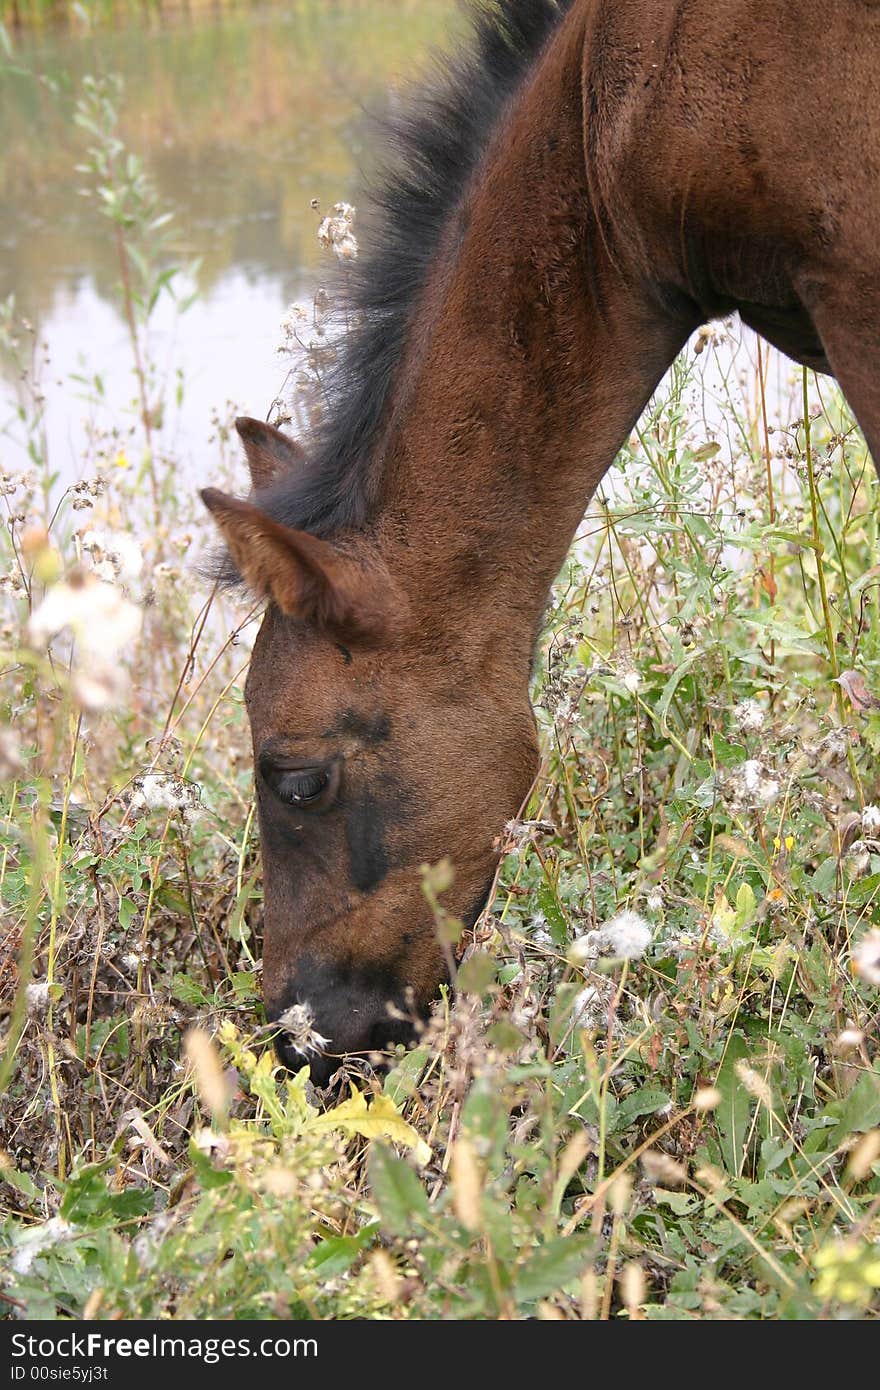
(593, 181)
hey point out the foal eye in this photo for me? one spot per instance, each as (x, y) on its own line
(300, 787)
(297, 786)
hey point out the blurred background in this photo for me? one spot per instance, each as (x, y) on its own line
(243, 115)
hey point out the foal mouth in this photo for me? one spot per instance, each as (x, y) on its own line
(299, 1043)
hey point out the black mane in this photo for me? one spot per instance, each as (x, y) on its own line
(435, 146)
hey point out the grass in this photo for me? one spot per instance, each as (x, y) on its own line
(656, 1093)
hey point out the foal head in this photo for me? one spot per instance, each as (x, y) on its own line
(384, 738)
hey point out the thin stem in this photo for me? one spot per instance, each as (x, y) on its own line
(819, 551)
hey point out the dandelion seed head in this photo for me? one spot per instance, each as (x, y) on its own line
(583, 950)
(103, 623)
(37, 1239)
(627, 935)
(102, 620)
(298, 1023)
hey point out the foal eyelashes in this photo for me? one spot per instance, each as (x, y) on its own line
(297, 786)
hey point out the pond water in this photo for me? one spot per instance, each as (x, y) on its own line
(241, 119)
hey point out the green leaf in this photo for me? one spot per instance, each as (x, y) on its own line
(22, 1182)
(127, 912)
(661, 709)
(403, 1079)
(825, 877)
(549, 905)
(860, 1110)
(553, 1266)
(188, 990)
(337, 1254)
(400, 1196)
(478, 973)
(745, 906)
(209, 1177)
(732, 1112)
(645, 1102)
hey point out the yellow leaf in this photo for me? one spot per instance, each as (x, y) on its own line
(380, 1120)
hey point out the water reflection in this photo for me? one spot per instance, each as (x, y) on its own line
(242, 119)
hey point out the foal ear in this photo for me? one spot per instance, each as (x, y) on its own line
(305, 577)
(269, 452)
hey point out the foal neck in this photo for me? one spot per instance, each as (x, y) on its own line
(530, 357)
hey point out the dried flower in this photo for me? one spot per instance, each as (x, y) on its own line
(751, 785)
(112, 556)
(12, 583)
(539, 929)
(654, 898)
(754, 1083)
(590, 1007)
(748, 716)
(871, 820)
(860, 697)
(866, 957)
(163, 791)
(337, 231)
(662, 1169)
(858, 858)
(37, 998)
(207, 1069)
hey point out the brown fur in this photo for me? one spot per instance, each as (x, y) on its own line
(665, 161)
